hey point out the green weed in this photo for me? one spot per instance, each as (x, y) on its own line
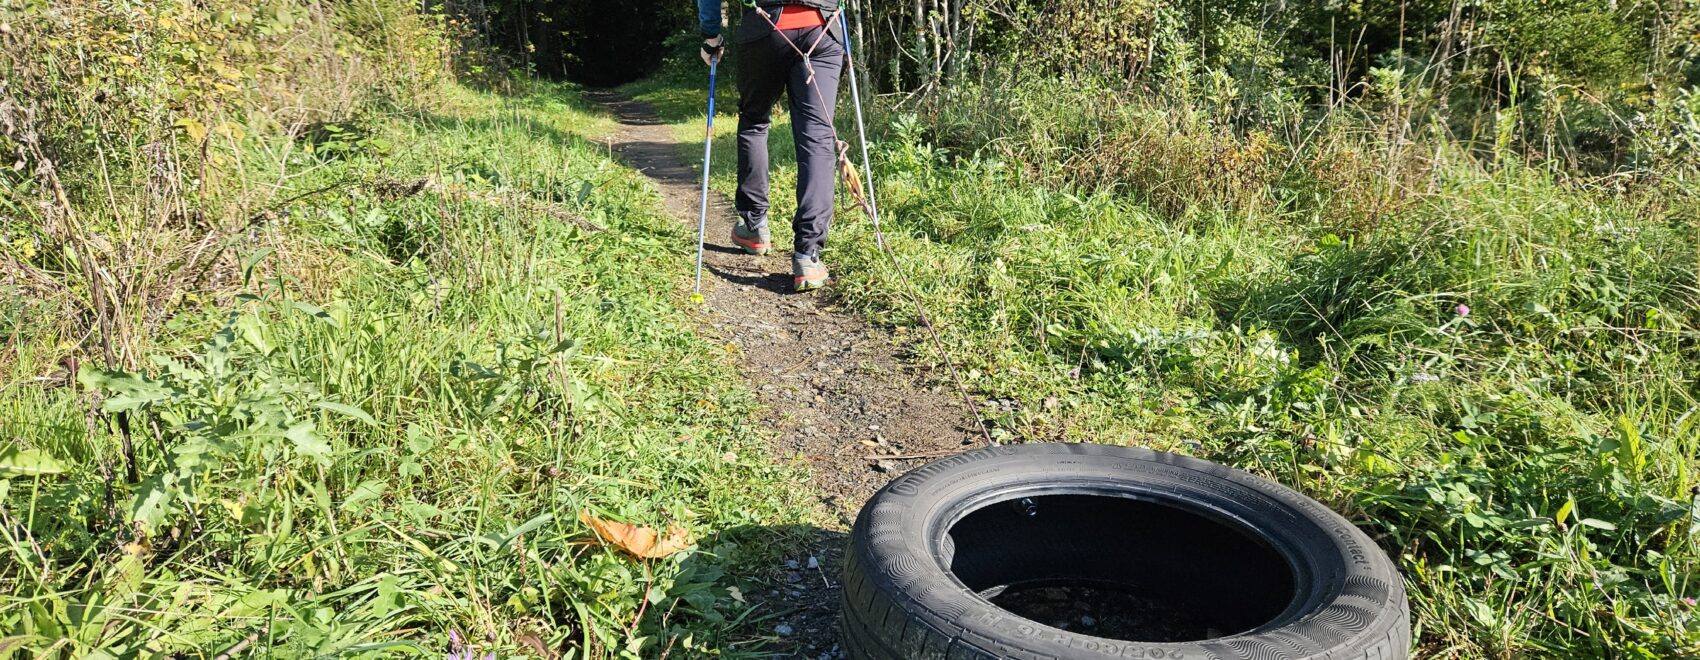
(382, 445)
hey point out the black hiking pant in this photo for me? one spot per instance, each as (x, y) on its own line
(767, 66)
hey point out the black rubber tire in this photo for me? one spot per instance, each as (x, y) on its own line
(901, 599)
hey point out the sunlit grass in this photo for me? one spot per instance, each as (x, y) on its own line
(518, 364)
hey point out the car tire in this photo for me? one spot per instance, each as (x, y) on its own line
(1252, 569)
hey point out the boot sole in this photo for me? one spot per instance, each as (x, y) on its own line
(756, 249)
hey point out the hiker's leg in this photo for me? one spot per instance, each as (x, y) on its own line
(761, 78)
(811, 127)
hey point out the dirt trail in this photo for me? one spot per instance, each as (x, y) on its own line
(838, 393)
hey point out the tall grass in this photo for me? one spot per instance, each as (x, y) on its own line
(294, 372)
(1491, 368)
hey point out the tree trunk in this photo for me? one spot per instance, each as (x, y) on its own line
(859, 40)
(920, 25)
(957, 52)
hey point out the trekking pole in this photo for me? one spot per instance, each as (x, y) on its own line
(707, 157)
(861, 130)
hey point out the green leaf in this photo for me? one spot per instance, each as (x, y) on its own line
(526, 528)
(307, 441)
(124, 391)
(1599, 524)
(19, 462)
(347, 410)
(1481, 612)
(178, 370)
(125, 575)
(315, 311)
(418, 441)
(1564, 511)
(1629, 454)
(390, 597)
(150, 504)
(368, 490)
(9, 645)
(253, 332)
(252, 260)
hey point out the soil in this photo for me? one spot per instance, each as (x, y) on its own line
(839, 394)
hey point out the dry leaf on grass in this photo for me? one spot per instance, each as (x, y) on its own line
(638, 541)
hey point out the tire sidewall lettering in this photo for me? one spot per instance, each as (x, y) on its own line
(1013, 627)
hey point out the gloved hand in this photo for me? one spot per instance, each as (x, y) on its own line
(712, 49)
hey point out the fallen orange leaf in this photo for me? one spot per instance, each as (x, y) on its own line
(638, 541)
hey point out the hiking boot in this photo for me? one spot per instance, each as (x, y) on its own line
(807, 273)
(754, 241)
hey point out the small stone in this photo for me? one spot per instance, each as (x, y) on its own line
(1087, 620)
(813, 562)
(793, 576)
(792, 564)
(795, 594)
(884, 466)
(783, 630)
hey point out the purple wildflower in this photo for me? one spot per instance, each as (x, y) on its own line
(1462, 310)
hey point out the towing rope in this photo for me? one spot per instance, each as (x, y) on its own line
(864, 197)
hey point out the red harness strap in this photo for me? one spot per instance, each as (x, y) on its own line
(796, 17)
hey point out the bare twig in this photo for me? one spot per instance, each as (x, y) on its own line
(239, 647)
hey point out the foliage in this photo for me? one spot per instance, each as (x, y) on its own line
(125, 122)
(593, 43)
(376, 341)
(1569, 80)
(1497, 381)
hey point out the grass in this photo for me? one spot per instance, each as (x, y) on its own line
(1494, 376)
(384, 443)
